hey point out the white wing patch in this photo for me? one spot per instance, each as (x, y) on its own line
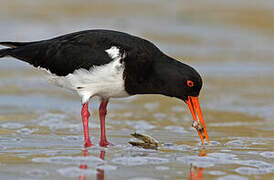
(114, 52)
(105, 81)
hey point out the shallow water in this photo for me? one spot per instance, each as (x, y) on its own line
(229, 43)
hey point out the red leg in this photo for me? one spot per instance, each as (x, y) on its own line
(103, 112)
(85, 115)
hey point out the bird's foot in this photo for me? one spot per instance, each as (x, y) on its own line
(87, 143)
(105, 143)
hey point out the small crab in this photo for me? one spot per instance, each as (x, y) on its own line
(148, 141)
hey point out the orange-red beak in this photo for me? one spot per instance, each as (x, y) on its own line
(194, 107)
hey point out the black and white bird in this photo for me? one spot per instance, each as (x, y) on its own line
(110, 64)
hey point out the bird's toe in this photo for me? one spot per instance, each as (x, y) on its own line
(105, 143)
(87, 144)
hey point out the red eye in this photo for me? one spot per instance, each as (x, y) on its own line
(190, 83)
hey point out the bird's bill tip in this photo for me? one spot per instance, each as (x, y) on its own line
(194, 107)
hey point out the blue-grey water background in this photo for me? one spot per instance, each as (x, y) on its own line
(231, 43)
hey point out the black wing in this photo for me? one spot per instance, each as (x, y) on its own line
(65, 54)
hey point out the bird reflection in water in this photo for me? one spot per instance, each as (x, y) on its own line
(196, 173)
(100, 172)
(204, 152)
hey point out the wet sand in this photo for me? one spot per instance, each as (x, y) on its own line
(230, 44)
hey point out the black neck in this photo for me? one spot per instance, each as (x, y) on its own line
(161, 76)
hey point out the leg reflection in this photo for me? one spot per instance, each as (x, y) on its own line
(100, 172)
(83, 166)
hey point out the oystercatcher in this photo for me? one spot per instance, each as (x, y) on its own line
(111, 64)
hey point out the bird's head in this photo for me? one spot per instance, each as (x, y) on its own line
(192, 85)
(184, 82)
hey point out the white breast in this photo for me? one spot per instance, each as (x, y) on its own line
(105, 81)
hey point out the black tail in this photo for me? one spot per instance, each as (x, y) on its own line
(11, 45)
(4, 52)
(14, 44)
